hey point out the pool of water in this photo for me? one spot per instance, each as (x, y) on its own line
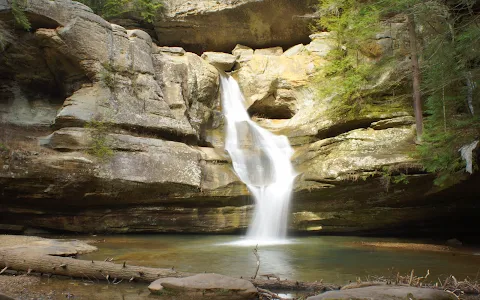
(331, 259)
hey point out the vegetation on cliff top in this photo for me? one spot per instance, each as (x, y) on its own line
(448, 36)
(146, 9)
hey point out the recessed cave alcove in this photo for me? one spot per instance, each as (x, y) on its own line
(35, 76)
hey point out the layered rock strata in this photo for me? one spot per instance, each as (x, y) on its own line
(105, 131)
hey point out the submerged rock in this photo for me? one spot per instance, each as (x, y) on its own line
(385, 292)
(203, 286)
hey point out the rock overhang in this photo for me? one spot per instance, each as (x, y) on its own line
(208, 25)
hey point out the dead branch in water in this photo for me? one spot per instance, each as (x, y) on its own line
(450, 285)
(268, 295)
(294, 285)
(255, 251)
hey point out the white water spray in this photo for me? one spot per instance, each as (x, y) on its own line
(261, 160)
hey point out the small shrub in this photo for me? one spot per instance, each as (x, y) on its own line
(107, 76)
(3, 148)
(99, 146)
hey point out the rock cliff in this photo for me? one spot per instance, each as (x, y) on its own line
(210, 25)
(105, 131)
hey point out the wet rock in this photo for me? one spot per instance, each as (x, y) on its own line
(386, 293)
(205, 286)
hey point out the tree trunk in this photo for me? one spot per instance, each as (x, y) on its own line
(417, 99)
(470, 88)
(38, 262)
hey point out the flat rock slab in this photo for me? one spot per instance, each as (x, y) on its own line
(207, 285)
(46, 246)
(222, 61)
(385, 293)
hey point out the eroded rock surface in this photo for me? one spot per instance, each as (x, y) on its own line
(210, 25)
(203, 286)
(105, 131)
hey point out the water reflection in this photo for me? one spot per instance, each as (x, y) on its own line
(333, 259)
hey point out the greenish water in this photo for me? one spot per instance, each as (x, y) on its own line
(331, 259)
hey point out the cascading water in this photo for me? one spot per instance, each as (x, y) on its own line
(261, 160)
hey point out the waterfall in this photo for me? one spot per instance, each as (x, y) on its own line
(261, 160)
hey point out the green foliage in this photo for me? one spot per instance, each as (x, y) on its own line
(354, 65)
(3, 148)
(19, 14)
(402, 178)
(146, 9)
(99, 146)
(107, 76)
(451, 71)
(450, 63)
(353, 21)
(393, 175)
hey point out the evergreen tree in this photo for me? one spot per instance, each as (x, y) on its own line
(445, 56)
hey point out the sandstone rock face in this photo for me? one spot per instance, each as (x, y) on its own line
(386, 293)
(222, 61)
(118, 66)
(209, 25)
(104, 131)
(272, 83)
(205, 286)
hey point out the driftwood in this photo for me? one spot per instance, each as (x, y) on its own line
(36, 260)
(255, 252)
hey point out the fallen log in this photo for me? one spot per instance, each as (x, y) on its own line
(54, 257)
(38, 261)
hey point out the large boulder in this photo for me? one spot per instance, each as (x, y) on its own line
(210, 25)
(222, 61)
(273, 83)
(204, 286)
(385, 292)
(190, 88)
